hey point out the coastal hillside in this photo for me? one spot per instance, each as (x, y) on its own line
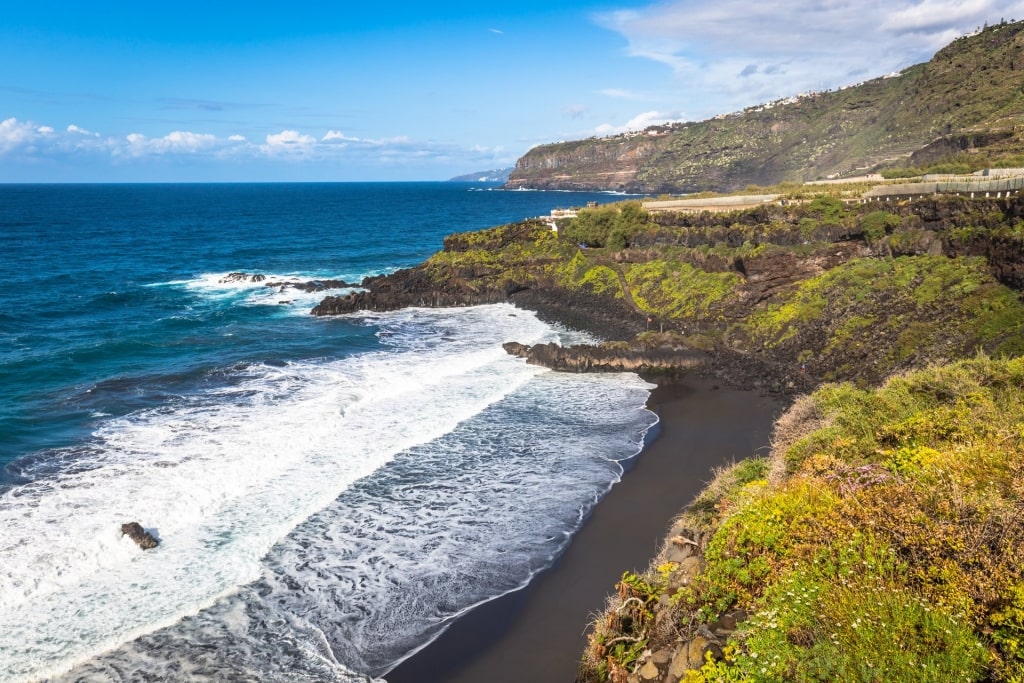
(882, 540)
(966, 105)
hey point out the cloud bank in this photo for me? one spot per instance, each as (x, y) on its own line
(26, 141)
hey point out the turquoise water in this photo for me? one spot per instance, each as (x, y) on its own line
(328, 497)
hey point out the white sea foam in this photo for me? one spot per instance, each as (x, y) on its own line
(276, 290)
(223, 475)
(383, 569)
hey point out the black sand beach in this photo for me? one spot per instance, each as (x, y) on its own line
(537, 634)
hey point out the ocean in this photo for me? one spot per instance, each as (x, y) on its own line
(329, 493)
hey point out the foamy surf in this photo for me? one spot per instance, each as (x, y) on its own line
(264, 289)
(384, 568)
(222, 476)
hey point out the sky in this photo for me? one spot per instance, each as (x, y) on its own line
(334, 91)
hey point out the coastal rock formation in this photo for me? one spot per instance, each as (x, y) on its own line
(242, 277)
(587, 358)
(309, 286)
(143, 538)
(407, 288)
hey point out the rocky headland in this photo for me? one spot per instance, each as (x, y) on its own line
(779, 297)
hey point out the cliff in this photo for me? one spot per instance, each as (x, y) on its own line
(968, 100)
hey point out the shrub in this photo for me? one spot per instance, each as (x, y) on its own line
(878, 224)
(611, 225)
(827, 208)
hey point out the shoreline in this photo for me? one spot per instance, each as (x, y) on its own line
(537, 633)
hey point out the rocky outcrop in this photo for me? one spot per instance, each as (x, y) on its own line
(242, 277)
(675, 648)
(309, 286)
(609, 164)
(407, 288)
(587, 358)
(143, 538)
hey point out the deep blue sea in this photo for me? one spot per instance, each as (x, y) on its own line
(329, 493)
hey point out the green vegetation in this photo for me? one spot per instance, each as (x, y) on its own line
(673, 289)
(828, 209)
(611, 225)
(579, 272)
(883, 541)
(878, 224)
(958, 164)
(884, 313)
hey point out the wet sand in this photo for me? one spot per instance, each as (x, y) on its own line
(537, 634)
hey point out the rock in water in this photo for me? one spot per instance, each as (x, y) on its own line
(144, 539)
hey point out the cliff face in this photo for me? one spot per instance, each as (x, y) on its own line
(968, 98)
(584, 165)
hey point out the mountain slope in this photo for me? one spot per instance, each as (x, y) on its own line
(969, 98)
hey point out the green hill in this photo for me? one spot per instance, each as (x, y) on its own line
(965, 105)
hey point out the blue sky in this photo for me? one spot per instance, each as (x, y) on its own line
(223, 91)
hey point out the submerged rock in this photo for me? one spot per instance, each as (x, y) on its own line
(143, 538)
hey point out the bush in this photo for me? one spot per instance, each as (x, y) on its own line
(828, 209)
(878, 224)
(609, 226)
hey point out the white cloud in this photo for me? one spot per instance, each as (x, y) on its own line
(337, 136)
(639, 122)
(728, 54)
(29, 141)
(940, 15)
(290, 138)
(496, 30)
(82, 131)
(14, 134)
(177, 142)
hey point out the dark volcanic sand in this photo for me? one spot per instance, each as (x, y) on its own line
(537, 634)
